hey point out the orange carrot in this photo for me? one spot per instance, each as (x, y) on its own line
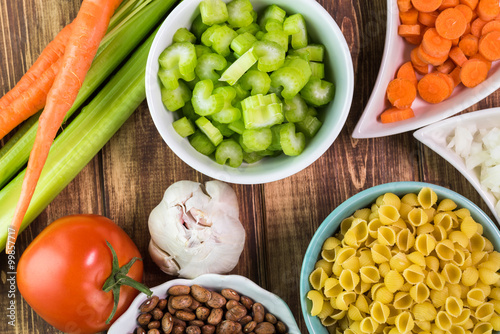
(478, 56)
(466, 11)
(405, 30)
(474, 71)
(52, 52)
(477, 27)
(433, 88)
(407, 72)
(448, 4)
(415, 59)
(428, 19)
(416, 40)
(426, 6)
(409, 17)
(467, 30)
(449, 80)
(87, 32)
(428, 59)
(489, 45)
(447, 67)
(451, 23)
(455, 75)
(471, 3)
(457, 55)
(490, 26)
(401, 93)
(404, 5)
(392, 115)
(421, 69)
(469, 45)
(488, 9)
(435, 45)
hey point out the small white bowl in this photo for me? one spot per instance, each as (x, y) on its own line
(396, 53)
(338, 68)
(273, 304)
(435, 137)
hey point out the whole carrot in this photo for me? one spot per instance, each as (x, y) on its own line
(88, 30)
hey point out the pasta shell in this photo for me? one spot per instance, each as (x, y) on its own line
(338, 314)
(357, 233)
(495, 293)
(431, 212)
(484, 312)
(432, 263)
(381, 253)
(332, 287)
(317, 302)
(368, 325)
(404, 322)
(404, 211)
(383, 295)
(459, 257)
(384, 268)
(373, 227)
(462, 213)
(427, 198)
(369, 274)
(495, 322)
(425, 326)
(445, 250)
(362, 304)
(354, 313)
(386, 236)
(413, 274)
(485, 287)
(405, 240)
(391, 199)
(317, 278)
(454, 306)
(328, 321)
(424, 311)
(352, 264)
(475, 297)
(330, 243)
(345, 225)
(402, 301)
(417, 217)
(425, 229)
(454, 290)
(410, 199)
(348, 279)
(344, 299)
(438, 297)
(435, 281)
(478, 257)
(379, 312)
(470, 276)
(365, 258)
(417, 258)
(393, 281)
(425, 244)
(443, 321)
(388, 214)
(344, 254)
(362, 214)
(329, 254)
(463, 317)
(487, 276)
(325, 265)
(482, 328)
(476, 243)
(468, 226)
(446, 205)
(326, 311)
(488, 246)
(439, 233)
(419, 292)
(444, 220)
(460, 238)
(399, 262)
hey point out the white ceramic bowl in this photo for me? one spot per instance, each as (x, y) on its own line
(273, 304)
(338, 69)
(436, 136)
(397, 52)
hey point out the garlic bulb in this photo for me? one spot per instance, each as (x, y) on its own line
(196, 230)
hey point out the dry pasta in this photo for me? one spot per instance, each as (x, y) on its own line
(408, 265)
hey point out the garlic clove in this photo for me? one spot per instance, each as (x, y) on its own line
(162, 259)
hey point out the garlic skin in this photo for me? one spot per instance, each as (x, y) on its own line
(195, 230)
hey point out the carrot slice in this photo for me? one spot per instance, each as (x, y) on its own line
(457, 55)
(426, 6)
(407, 72)
(469, 45)
(428, 19)
(448, 4)
(490, 26)
(415, 59)
(401, 93)
(435, 45)
(480, 57)
(489, 45)
(428, 59)
(449, 80)
(466, 11)
(467, 30)
(488, 9)
(474, 71)
(409, 17)
(447, 67)
(433, 88)
(405, 30)
(451, 23)
(415, 40)
(471, 3)
(404, 5)
(392, 115)
(455, 75)
(477, 27)
(421, 69)
(87, 32)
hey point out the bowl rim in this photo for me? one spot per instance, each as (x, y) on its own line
(361, 200)
(289, 165)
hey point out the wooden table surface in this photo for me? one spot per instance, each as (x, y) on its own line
(127, 179)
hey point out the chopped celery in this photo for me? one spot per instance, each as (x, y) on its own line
(242, 43)
(318, 92)
(198, 27)
(273, 18)
(229, 152)
(176, 98)
(259, 82)
(309, 126)
(237, 126)
(188, 111)
(262, 111)
(201, 143)
(278, 37)
(257, 139)
(275, 142)
(213, 12)
(291, 142)
(312, 112)
(293, 77)
(204, 101)
(240, 13)
(239, 67)
(317, 69)
(183, 35)
(208, 64)
(221, 39)
(177, 61)
(252, 29)
(241, 93)
(295, 109)
(184, 127)
(271, 55)
(251, 157)
(295, 25)
(207, 35)
(312, 52)
(201, 50)
(228, 113)
(223, 128)
(259, 35)
(209, 130)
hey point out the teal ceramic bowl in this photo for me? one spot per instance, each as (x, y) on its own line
(338, 69)
(362, 200)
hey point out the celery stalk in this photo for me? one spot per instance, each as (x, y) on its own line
(82, 139)
(14, 157)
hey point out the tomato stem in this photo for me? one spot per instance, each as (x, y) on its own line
(118, 278)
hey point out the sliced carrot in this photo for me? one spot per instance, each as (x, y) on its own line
(467, 30)
(433, 88)
(415, 59)
(401, 93)
(426, 6)
(428, 59)
(428, 19)
(471, 3)
(466, 11)
(490, 26)
(457, 55)
(448, 4)
(404, 5)
(469, 45)
(480, 57)
(392, 115)
(416, 40)
(451, 23)
(474, 71)
(489, 45)
(488, 9)
(409, 17)
(407, 72)
(455, 75)
(477, 27)
(455, 41)
(435, 45)
(447, 67)
(405, 30)
(449, 80)
(421, 69)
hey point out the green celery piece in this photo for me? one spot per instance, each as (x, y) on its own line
(292, 143)
(275, 142)
(295, 25)
(201, 143)
(201, 50)
(204, 101)
(228, 114)
(176, 98)
(309, 126)
(177, 61)
(312, 112)
(213, 12)
(237, 126)
(251, 157)
(293, 76)
(198, 27)
(127, 37)
(257, 81)
(312, 52)
(239, 67)
(191, 84)
(242, 43)
(229, 152)
(277, 36)
(318, 92)
(184, 127)
(209, 130)
(270, 54)
(259, 35)
(257, 139)
(296, 109)
(262, 111)
(188, 111)
(208, 64)
(223, 128)
(241, 93)
(183, 35)
(239, 13)
(221, 39)
(251, 29)
(82, 139)
(206, 37)
(317, 70)
(272, 18)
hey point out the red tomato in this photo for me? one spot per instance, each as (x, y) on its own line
(62, 272)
